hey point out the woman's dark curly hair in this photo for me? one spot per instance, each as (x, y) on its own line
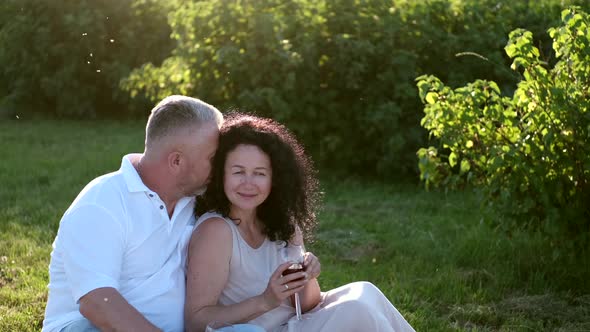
(294, 194)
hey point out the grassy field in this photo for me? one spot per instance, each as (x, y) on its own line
(432, 254)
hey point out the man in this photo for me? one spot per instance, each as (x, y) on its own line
(118, 257)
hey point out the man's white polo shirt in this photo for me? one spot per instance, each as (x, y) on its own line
(117, 233)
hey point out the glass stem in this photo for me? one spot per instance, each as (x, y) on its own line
(297, 306)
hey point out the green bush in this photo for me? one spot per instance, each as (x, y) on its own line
(66, 58)
(529, 153)
(340, 72)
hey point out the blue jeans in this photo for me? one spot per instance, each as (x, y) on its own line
(244, 328)
(83, 325)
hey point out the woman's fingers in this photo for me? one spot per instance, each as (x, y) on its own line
(294, 276)
(293, 288)
(312, 264)
(310, 259)
(281, 287)
(292, 283)
(315, 270)
(284, 286)
(279, 271)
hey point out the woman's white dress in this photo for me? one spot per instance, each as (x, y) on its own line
(359, 306)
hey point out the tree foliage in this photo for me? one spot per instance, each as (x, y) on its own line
(66, 58)
(340, 72)
(528, 153)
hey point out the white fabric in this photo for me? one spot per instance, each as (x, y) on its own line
(117, 233)
(359, 306)
(249, 272)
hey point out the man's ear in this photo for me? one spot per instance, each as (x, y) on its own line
(174, 161)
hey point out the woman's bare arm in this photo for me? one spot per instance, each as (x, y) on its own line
(209, 255)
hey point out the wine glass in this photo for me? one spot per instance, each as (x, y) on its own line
(294, 254)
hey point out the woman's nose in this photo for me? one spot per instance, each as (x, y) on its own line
(247, 178)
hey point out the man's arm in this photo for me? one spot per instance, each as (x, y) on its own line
(109, 311)
(93, 243)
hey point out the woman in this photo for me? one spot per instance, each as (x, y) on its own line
(262, 197)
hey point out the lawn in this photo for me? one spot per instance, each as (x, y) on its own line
(433, 254)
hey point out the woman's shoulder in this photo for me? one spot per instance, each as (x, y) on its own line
(208, 215)
(213, 222)
(211, 239)
(212, 227)
(216, 217)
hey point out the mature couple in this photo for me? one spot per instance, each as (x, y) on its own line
(138, 251)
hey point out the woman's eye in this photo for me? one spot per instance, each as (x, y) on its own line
(259, 174)
(238, 172)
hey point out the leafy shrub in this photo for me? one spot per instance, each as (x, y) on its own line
(529, 153)
(340, 72)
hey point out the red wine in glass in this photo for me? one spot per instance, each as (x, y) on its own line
(295, 255)
(294, 268)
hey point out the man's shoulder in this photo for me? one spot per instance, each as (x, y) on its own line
(102, 190)
(107, 178)
(103, 201)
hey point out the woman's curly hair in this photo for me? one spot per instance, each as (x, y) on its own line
(294, 195)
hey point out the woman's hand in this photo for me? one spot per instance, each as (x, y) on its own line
(312, 265)
(281, 287)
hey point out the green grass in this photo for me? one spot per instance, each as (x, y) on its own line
(433, 254)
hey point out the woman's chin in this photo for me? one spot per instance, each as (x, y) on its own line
(245, 206)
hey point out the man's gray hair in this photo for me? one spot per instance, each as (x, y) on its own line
(176, 112)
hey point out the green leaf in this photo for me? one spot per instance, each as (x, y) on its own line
(431, 97)
(465, 166)
(452, 159)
